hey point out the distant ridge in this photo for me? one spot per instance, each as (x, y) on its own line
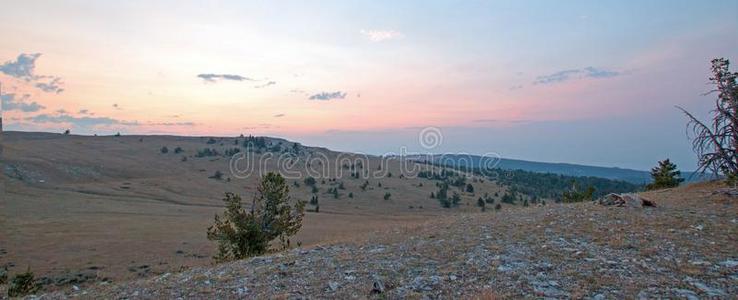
(614, 173)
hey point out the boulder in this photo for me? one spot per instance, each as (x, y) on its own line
(625, 200)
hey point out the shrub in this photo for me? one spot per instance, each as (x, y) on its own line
(3, 275)
(206, 153)
(217, 176)
(309, 181)
(498, 206)
(341, 187)
(315, 190)
(164, 150)
(184, 158)
(455, 199)
(178, 150)
(67, 132)
(481, 203)
(469, 188)
(211, 141)
(351, 195)
(387, 196)
(23, 284)
(242, 233)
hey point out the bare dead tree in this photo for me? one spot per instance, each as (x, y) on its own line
(715, 143)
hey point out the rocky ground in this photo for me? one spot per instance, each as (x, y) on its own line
(685, 247)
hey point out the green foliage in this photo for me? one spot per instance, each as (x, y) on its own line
(481, 203)
(469, 188)
(178, 150)
(232, 151)
(252, 143)
(3, 275)
(455, 199)
(23, 284)
(310, 181)
(341, 187)
(314, 200)
(314, 190)
(509, 197)
(387, 196)
(207, 152)
(665, 175)
(211, 141)
(543, 185)
(351, 195)
(164, 150)
(363, 186)
(242, 233)
(574, 195)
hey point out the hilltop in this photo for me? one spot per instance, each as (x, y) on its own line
(682, 248)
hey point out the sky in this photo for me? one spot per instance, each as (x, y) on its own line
(589, 82)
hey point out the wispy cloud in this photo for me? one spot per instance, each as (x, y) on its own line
(279, 115)
(381, 35)
(23, 68)
(265, 84)
(172, 124)
(12, 102)
(565, 75)
(328, 96)
(79, 121)
(54, 85)
(209, 77)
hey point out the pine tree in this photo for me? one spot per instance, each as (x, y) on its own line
(242, 233)
(665, 175)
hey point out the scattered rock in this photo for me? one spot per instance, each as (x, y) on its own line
(332, 286)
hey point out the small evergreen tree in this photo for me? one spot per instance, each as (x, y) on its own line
(23, 284)
(469, 188)
(242, 233)
(665, 175)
